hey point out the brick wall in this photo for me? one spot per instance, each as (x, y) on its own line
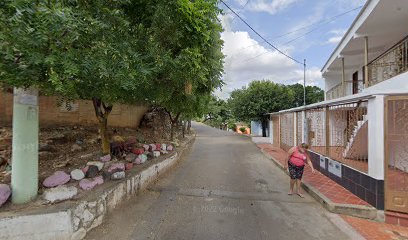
(82, 113)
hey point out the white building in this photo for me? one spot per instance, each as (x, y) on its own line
(362, 126)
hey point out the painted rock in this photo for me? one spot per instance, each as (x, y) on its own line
(156, 154)
(128, 166)
(56, 179)
(130, 157)
(88, 184)
(143, 158)
(5, 192)
(77, 174)
(137, 161)
(158, 146)
(106, 158)
(163, 146)
(96, 163)
(92, 171)
(118, 175)
(138, 151)
(60, 193)
(170, 148)
(146, 147)
(116, 167)
(85, 169)
(152, 147)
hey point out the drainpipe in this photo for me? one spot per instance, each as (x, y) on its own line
(24, 173)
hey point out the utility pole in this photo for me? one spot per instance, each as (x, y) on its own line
(304, 82)
(305, 125)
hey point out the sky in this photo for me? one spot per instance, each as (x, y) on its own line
(303, 29)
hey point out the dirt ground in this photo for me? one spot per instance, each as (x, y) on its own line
(67, 148)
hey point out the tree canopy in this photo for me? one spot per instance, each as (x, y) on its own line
(260, 97)
(165, 53)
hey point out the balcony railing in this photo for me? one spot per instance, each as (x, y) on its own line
(389, 64)
(337, 91)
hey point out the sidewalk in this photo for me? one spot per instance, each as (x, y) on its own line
(323, 187)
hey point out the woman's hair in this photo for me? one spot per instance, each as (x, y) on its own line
(304, 145)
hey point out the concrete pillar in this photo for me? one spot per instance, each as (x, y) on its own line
(294, 128)
(343, 78)
(271, 131)
(24, 175)
(305, 126)
(366, 62)
(375, 115)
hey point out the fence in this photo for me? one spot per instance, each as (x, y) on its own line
(339, 132)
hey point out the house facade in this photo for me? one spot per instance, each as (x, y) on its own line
(359, 134)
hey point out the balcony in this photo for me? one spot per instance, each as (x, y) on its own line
(389, 64)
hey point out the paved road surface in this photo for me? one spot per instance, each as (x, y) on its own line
(224, 189)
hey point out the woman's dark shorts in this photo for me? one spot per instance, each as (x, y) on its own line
(295, 172)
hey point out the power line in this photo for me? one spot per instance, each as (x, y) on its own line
(324, 22)
(270, 44)
(240, 10)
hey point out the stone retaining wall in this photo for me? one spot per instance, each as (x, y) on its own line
(74, 220)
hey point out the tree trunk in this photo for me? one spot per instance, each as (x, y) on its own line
(102, 112)
(184, 128)
(189, 127)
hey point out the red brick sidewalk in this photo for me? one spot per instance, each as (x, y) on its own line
(323, 184)
(367, 228)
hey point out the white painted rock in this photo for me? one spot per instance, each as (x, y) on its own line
(87, 184)
(5, 193)
(106, 158)
(60, 193)
(156, 154)
(57, 179)
(96, 163)
(77, 174)
(163, 146)
(118, 175)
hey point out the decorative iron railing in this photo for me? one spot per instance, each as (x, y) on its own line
(389, 64)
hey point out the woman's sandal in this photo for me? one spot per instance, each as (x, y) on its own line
(300, 195)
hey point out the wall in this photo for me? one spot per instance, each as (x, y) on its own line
(82, 113)
(256, 128)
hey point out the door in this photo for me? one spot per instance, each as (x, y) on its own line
(355, 82)
(396, 154)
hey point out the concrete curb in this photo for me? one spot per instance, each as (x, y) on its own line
(72, 220)
(346, 209)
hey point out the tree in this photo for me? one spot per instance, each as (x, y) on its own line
(313, 94)
(218, 114)
(261, 97)
(71, 49)
(188, 53)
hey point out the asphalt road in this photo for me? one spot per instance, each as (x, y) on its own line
(224, 189)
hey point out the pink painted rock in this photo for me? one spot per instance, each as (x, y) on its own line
(158, 146)
(117, 167)
(85, 169)
(87, 184)
(57, 179)
(137, 161)
(5, 193)
(106, 158)
(170, 148)
(129, 166)
(152, 147)
(146, 147)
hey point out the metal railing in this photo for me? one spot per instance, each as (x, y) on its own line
(337, 91)
(389, 64)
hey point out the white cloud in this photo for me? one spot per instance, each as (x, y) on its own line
(246, 61)
(271, 7)
(336, 37)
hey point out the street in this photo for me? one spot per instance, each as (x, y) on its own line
(224, 188)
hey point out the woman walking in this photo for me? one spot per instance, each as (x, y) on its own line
(296, 162)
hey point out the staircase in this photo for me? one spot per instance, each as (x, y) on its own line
(357, 147)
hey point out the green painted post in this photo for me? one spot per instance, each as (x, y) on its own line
(24, 173)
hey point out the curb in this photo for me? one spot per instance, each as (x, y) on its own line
(345, 209)
(72, 220)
